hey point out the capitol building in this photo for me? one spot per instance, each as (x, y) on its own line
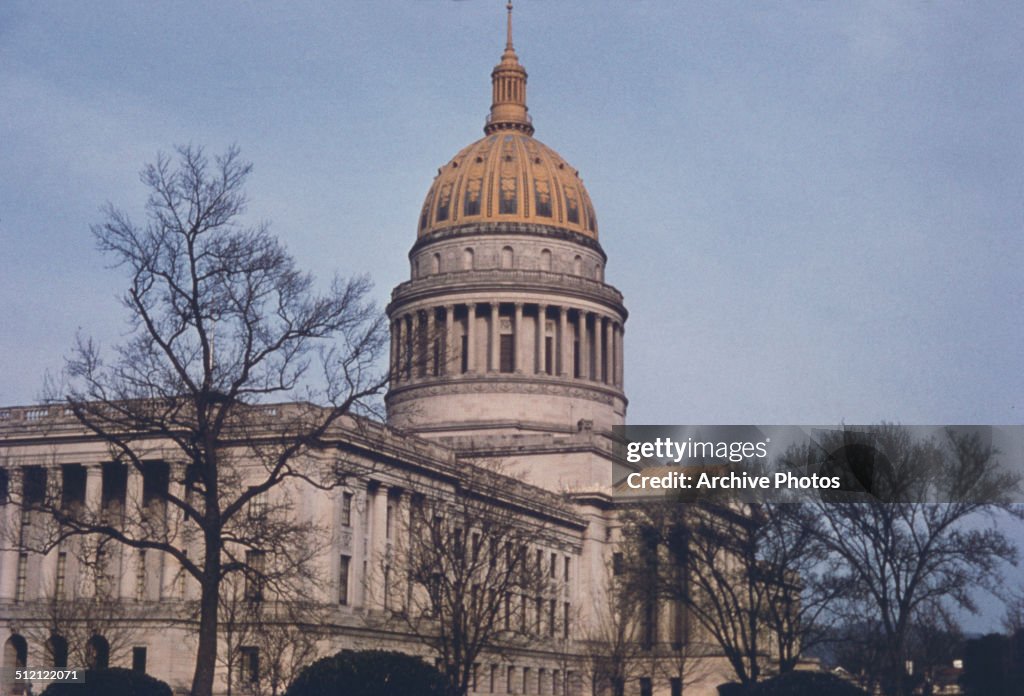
(506, 382)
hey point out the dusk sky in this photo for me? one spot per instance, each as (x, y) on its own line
(815, 210)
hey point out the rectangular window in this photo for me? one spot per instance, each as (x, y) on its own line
(19, 592)
(510, 676)
(249, 664)
(258, 506)
(551, 617)
(72, 490)
(542, 676)
(646, 687)
(565, 574)
(507, 353)
(549, 354)
(676, 684)
(576, 369)
(538, 627)
(508, 611)
(389, 521)
(346, 509)
(554, 565)
(526, 680)
(155, 480)
(464, 367)
(343, 573)
(618, 564)
(139, 660)
(4, 487)
(140, 575)
(494, 678)
(115, 485)
(566, 619)
(61, 579)
(524, 614)
(33, 485)
(256, 564)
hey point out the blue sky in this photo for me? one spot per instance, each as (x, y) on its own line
(814, 209)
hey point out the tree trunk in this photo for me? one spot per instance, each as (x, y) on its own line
(206, 651)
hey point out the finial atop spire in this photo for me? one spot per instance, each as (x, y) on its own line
(508, 42)
(508, 89)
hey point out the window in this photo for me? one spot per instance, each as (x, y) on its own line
(346, 509)
(256, 562)
(526, 680)
(549, 353)
(554, 565)
(249, 664)
(506, 257)
(62, 571)
(676, 684)
(435, 263)
(476, 547)
(258, 506)
(140, 575)
(97, 653)
(538, 627)
(72, 492)
(115, 484)
(541, 679)
(646, 688)
(139, 660)
(57, 649)
(565, 574)
(33, 486)
(508, 611)
(507, 353)
(467, 259)
(494, 678)
(4, 487)
(618, 563)
(343, 573)
(577, 265)
(389, 521)
(566, 619)
(551, 617)
(545, 260)
(510, 676)
(155, 480)
(19, 592)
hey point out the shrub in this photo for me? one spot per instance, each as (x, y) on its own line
(806, 684)
(114, 681)
(369, 673)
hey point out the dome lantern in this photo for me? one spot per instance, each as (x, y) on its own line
(508, 91)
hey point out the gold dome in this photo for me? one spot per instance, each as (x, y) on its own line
(508, 176)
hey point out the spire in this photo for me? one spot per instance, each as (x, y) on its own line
(508, 90)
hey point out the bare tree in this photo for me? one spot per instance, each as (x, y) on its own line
(222, 325)
(478, 573)
(931, 531)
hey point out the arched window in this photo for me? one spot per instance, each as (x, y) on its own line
(598, 272)
(97, 653)
(577, 265)
(467, 259)
(57, 651)
(506, 257)
(435, 265)
(545, 260)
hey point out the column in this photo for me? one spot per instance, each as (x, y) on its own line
(517, 340)
(542, 323)
(448, 348)
(564, 349)
(598, 346)
(93, 505)
(170, 571)
(395, 343)
(9, 556)
(133, 511)
(581, 327)
(379, 547)
(408, 339)
(433, 359)
(493, 366)
(470, 337)
(622, 355)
